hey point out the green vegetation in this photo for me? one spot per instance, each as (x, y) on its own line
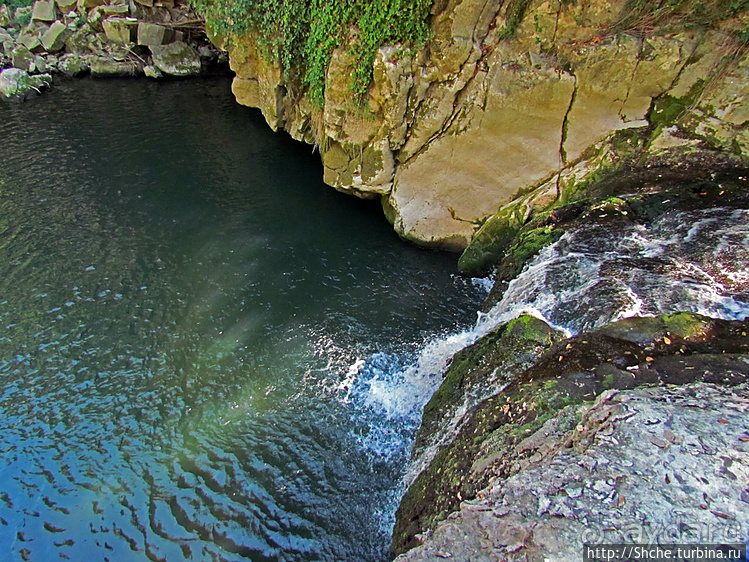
(13, 4)
(301, 35)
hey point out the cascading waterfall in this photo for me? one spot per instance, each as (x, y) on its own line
(684, 261)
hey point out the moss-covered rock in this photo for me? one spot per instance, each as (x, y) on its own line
(676, 349)
(490, 241)
(481, 370)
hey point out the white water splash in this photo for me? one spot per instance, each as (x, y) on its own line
(685, 261)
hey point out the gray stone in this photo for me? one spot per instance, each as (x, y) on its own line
(22, 58)
(150, 34)
(176, 59)
(18, 85)
(40, 64)
(152, 72)
(103, 67)
(66, 5)
(116, 9)
(31, 42)
(54, 38)
(44, 10)
(72, 65)
(120, 30)
(207, 54)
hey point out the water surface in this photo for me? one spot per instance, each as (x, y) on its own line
(204, 351)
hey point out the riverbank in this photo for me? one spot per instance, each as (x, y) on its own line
(156, 40)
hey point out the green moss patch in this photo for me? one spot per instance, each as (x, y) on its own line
(300, 36)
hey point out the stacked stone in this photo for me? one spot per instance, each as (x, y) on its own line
(103, 37)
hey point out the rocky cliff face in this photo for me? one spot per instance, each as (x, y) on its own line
(506, 99)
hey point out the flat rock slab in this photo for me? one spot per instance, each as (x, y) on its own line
(54, 38)
(150, 34)
(103, 67)
(44, 11)
(651, 465)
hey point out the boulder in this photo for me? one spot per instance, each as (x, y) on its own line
(44, 10)
(120, 30)
(102, 67)
(148, 3)
(31, 42)
(18, 85)
(152, 72)
(150, 34)
(72, 65)
(66, 5)
(54, 38)
(176, 59)
(22, 58)
(85, 5)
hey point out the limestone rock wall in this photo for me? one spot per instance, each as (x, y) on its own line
(451, 133)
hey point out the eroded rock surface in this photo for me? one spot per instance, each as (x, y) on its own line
(664, 465)
(451, 133)
(498, 438)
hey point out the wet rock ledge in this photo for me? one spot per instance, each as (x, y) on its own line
(633, 432)
(115, 38)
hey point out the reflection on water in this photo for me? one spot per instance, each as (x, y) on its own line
(204, 352)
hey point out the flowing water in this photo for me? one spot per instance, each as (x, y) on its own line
(696, 261)
(205, 353)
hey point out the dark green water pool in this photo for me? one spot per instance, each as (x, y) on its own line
(204, 351)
